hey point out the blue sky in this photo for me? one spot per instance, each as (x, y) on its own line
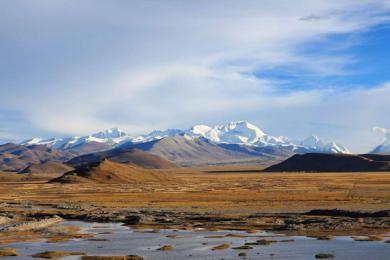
(293, 68)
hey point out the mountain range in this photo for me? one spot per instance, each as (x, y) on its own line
(235, 142)
(240, 133)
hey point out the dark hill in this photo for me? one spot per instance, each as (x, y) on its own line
(317, 162)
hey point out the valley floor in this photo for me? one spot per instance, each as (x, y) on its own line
(219, 191)
(218, 198)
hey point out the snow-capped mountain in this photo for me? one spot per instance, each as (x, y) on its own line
(314, 144)
(156, 135)
(240, 133)
(111, 137)
(112, 133)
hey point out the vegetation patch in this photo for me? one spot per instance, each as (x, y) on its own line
(324, 255)
(244, 247)
(166, 248)
(55, 254)
(377, 237)
(128, 257)
(326, 237)
(8, 252)
(221, 247)
(265, 242)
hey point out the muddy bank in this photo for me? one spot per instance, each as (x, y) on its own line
(312, 222)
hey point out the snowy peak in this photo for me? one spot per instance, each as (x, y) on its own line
(31, 141)
(238, 132)
(314, 144)
(156, 135)
(312, 141)
(110, 133)
(244, 127)
(241, 132)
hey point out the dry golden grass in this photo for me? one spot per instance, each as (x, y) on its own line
(221, 247)
(221, 192)
(55, 254)
(8, 252)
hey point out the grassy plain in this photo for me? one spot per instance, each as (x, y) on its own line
(226, 190)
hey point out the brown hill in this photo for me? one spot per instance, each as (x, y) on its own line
(317, 162)
(49, 167)
(126, 156)
(107, 172)
(14, 157)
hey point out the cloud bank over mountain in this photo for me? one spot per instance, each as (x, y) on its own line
(152, 65)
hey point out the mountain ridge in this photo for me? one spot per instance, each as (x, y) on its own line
(237, 132)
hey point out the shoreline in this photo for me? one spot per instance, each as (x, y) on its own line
(312, 223)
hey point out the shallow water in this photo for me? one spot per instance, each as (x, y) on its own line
(191, 245)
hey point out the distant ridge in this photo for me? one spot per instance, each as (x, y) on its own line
(316, 162)
(49, 167)
(129, 156)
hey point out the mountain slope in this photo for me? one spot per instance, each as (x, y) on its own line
(123, 155)
(107, 172)
(49, 167)
(188, 151)
(14, 157)
(316, 162)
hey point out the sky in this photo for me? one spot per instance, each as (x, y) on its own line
(293, 68)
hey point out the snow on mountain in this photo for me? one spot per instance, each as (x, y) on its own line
(110, 136)
(31, 141)
(312, 141)
(314, 144)
(384, 147)
(156, 135)
(239, 132)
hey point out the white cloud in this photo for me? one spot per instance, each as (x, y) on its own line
(383, 133)
(144, 65)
